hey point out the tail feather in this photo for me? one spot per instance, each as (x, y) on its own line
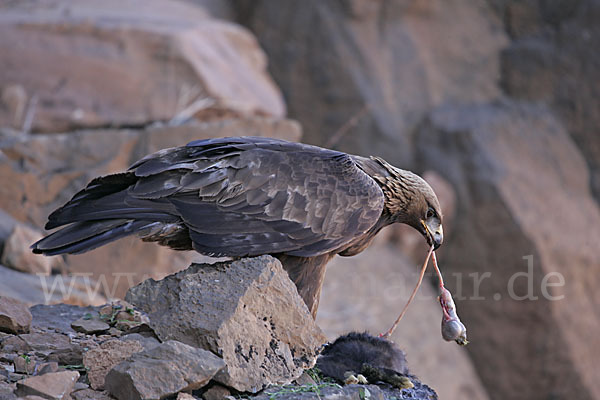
(108, 189)
(88, 235)
(103, 212)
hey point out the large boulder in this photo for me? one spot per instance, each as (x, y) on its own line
(246, 311)
(54, 385)
(163, 371)
(376, 66)
(85, 65)
(523, 249)
(554, 59)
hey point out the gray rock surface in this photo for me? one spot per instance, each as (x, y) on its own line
(58, 317)
(216, 392)
(90, 325)
(7, 391)
(163, 371)
(349, 392)
(100, 360)
(43, 343)
(89, 394)
(247, 311)
(14, 316)
(52, 386)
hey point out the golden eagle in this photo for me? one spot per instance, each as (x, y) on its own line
(248, 196)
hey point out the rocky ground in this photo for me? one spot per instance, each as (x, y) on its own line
(180, 346)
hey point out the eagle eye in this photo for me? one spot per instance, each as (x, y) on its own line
(430, 213)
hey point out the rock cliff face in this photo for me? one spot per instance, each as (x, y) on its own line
(396, 58)
(497, 98)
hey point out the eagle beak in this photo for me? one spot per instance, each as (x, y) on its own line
(434, 235)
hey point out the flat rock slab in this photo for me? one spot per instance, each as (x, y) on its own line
(58, 317)
(163, 371)
(52, 386)
(100, 360)
(14, 316)
(247, 311)
(90, 326)
(44, 343)
(89, 394)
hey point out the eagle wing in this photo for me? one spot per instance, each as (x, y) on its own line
(251, 196)
(240, 197)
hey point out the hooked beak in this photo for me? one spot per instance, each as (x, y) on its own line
(434, 236)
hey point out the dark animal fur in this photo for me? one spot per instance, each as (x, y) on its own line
(376, 358)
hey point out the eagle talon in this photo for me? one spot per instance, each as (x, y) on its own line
(350, 378)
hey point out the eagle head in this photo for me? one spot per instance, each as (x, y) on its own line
(410, 200)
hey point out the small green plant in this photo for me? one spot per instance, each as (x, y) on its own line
(310, 387)
(76, 367)
(26, 358)
(317, 376)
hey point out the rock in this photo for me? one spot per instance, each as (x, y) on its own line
(42, 343)
(184, 61)
(90, 326)
(31, 289)
(7, 391)
(554, 40)
(304, 379)
(53, 386)
(89, 394)
(46, 368)
(247, 311)
(41, 172)
(99, 361)
(14, 316)
(80, 386)
(58, 317)
(514, 166)
(147, 340)
(216, 392)
(114, 332)
(185, 396)
(377, 297)
(24, 365)
(398, 59)
(163, 371)
(17, 254)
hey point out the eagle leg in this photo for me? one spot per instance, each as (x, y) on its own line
(308, 273)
